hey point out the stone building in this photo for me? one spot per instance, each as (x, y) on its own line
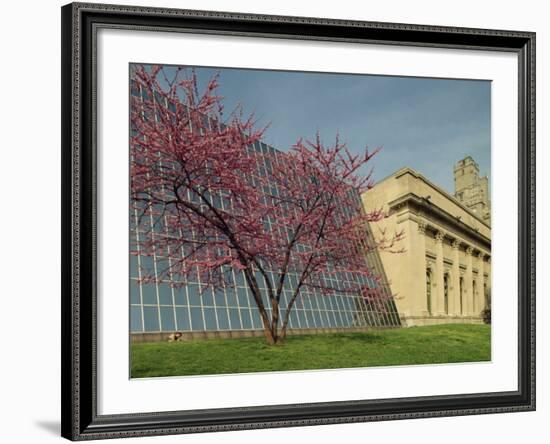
(444, 273)
(472, 190)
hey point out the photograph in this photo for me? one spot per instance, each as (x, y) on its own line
(275, 222)
(277, 219)
(296, 220)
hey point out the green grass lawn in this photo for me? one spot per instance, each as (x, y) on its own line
(406, 346)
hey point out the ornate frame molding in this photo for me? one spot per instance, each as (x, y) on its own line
(80, 21)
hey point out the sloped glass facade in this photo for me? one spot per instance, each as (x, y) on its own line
(161, 307)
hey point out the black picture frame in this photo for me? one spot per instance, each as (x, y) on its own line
(80, 420)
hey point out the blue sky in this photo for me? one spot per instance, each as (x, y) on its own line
(427, 124)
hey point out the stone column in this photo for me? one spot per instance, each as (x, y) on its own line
(421, 267)
(462, 307)
(439, 307)
(480, 302)
(431, 265)
(489, 281)
(454, 307)
(468, 284)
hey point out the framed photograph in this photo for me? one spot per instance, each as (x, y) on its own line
(275, 221)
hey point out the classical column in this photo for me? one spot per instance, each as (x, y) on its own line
(421, 267)
(430, 264)
(462, 303)
(454, 307)
(480, 302)
(488, 281)
(468, 284)
(439, 307)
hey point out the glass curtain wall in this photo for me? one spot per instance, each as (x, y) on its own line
(160, 307)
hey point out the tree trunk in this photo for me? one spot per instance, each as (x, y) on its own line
(274, 319)
(253, 286)
(270, 337)
(271, 340)
(282, 336)
(268, 333)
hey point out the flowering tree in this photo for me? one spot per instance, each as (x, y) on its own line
(223, 205)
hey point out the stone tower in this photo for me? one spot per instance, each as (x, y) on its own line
(471, 190)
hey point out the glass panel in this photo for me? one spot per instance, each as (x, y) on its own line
(231, 296)
(257, 321)
(133, 266)
(338, 319)
(182, 316)
(135, 319)
(134, 87)
(207, 297)
(247, 320)
(151, 317)
(331, 319)
(196, 319)
(180, 297)
(134, 292)
(167, 318)
(301, 318)
(149, 292)
(219, 297)
(147, 264)
(239, 277)
(223, 320)
(317, 319)
(210, 319)
(310, 321)
(346, 318)
(194, 294)
(293, 323)
(235, 320)
(243, 297)
(165, 294)
(324, 319)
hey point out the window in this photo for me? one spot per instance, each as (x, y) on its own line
(446, 292)
(474, 294)
(429, 290)
(461, 295)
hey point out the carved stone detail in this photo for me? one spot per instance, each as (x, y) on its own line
(422, 227)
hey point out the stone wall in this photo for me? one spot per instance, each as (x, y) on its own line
(202, 335)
